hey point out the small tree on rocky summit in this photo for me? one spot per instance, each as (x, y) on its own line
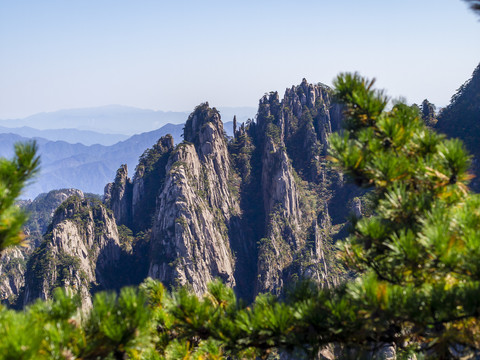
(428, 113)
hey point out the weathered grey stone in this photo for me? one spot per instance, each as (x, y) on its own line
(81, 250)
(190, 243)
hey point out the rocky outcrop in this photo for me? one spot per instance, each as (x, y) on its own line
(319, 268)
(12, 271)
(148, 182)
(133, 202)
(119, 196)
(252, 210)
(80, 251)
(190, 239)
(13, 261)
(280, 199)
(295, 186)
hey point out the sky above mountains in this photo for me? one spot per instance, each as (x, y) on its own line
(173, 55)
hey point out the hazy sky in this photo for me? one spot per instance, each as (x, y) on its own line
(172, 55)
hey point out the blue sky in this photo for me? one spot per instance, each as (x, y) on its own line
(172, 55)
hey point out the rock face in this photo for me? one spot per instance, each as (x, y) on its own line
(252, 210)
(81, 250)
(119, 195)
(133, 202)
(293, 138)
(190, 243)
(12, 271)
(13, 261)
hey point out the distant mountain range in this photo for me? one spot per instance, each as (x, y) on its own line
(83, 148)
(114, 119)
(73, 136)
(88, 168)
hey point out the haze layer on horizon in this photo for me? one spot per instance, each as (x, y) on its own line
(172, 56)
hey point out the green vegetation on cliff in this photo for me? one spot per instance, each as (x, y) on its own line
(150, 171)
(461, 119)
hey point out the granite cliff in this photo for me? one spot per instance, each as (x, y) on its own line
(13, 261)
(252, 209)
(80, 251)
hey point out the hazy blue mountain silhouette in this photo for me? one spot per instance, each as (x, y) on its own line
(115, 119)
(88, 168)
(73, 136)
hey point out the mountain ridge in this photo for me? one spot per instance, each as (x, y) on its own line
(87, 168)
(71, 136)
(243, 209)
(252, 209)
(114, 119)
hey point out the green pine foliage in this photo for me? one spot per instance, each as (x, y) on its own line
(14, 175)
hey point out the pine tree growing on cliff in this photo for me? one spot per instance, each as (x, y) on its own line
(428, 113)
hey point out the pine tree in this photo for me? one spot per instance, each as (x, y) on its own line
(428, 113)
(14, 175)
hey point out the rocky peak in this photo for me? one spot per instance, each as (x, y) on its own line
(269, 111)
(461, 119)
(190, 237)
(13, 261)
(68, 209)
(148, 181)
(203, 128)
(293, 140)
(80, 250)
(166, 143)
(118, 195)
(199, 219)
